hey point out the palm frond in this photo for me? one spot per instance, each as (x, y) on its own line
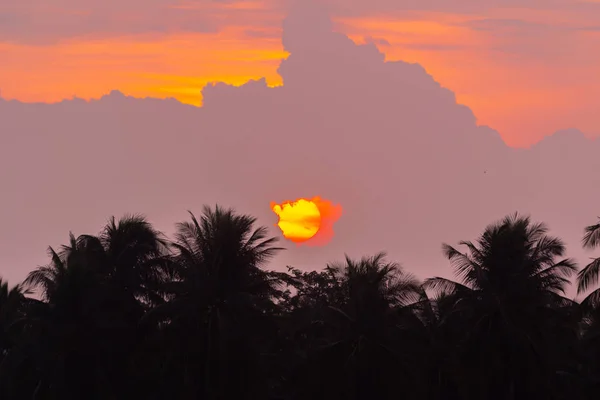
(467, 269)
(591, 301)
(564, 268)
(43, 278)
(444, 286)
(588, 276)
(591, 237)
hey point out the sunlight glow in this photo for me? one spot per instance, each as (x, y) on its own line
(302, 220)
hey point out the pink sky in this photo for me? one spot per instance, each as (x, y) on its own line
(410, 166)
(526, 68)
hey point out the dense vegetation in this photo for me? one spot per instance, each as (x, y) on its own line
(129, 314)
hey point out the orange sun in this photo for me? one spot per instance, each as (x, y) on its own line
(305, 220)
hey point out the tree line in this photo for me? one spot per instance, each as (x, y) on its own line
(131, 314)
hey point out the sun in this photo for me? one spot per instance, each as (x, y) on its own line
(305, 220)
(299, 220)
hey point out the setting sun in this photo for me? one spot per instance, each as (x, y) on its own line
(306, 220)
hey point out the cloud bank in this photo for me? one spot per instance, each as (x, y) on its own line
(410, 166)
(539, 58)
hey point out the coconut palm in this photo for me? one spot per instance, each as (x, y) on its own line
(219, 297)
(588, 276)
(12, 302)
(14, 372)
(433, 338)
(92, 289)
(589, 347)
(130, 252)
(510, 300)
(590, 340)
(361, 357)
(12, 311)
(374, 288)
(133, 255)
(68, 328)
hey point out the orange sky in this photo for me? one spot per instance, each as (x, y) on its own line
(525, 79)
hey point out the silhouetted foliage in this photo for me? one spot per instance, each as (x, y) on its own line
(129, 314)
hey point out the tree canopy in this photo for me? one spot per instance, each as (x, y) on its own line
(130, 313)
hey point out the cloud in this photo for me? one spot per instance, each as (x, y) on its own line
(377, 41)
(539, 55)
(39, 23)
(495, 25)
(262, 33)
(410, 167)
(383, 7)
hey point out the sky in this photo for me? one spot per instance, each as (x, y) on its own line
(411, 165)
(525, 67)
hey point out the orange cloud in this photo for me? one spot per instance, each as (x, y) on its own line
(524, 79)
(177, 65)
(307, 221)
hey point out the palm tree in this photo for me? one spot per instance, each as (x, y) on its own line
(13, 308)
(12, 301)
(132, 245)
(361, 357)
(99, 285)
(590, 339)
(130, 251)
(133, 255)
(433, 336)
(510, 300)
(588, 276)
(219, 295)
(68, 328)
(374, 288)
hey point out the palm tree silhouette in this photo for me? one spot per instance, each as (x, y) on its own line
(129, 249)
(432, 336)
(590, 338)
(360, 358)
(509, 299)
(93, 291)
(588, 276)
(129, 314)
(12, 313)
(67, 327)
(219, 295)
(12, 302)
